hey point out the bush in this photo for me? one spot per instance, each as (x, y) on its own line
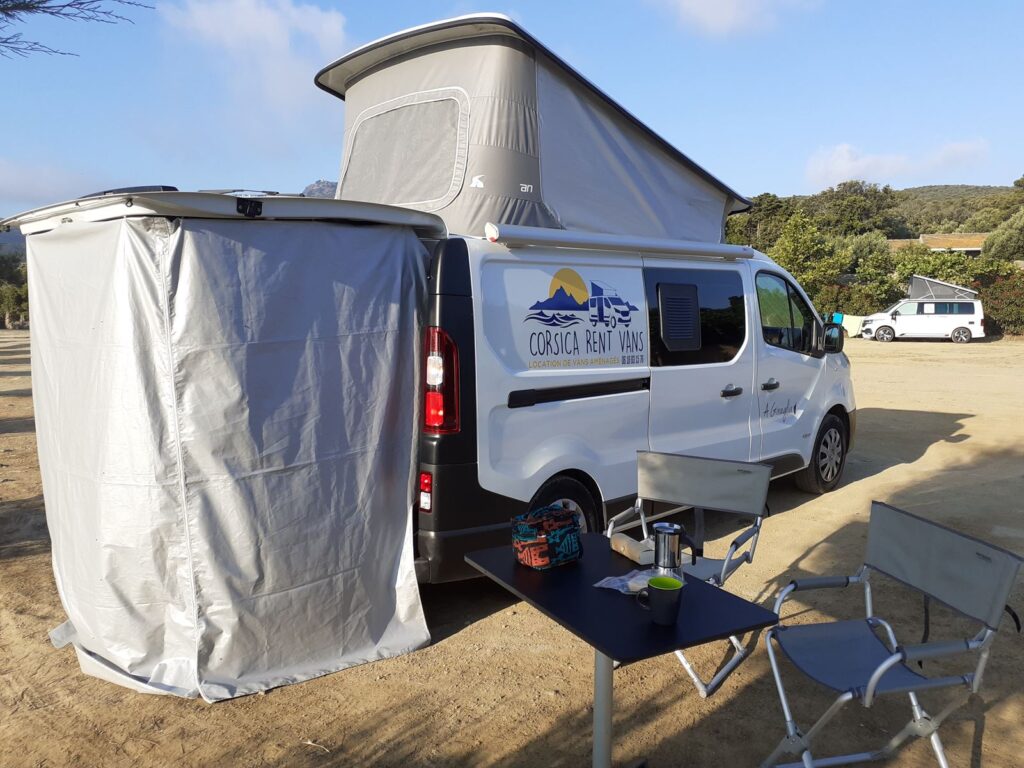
(1007, 241)
(1003, 300)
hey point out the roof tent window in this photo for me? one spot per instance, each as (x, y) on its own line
(409, 151)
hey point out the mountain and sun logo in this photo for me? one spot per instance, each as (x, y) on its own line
(568, 298)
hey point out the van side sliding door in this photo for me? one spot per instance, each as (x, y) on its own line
(702, 358)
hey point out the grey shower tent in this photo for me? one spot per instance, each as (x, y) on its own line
(930, 288)
(475, 120)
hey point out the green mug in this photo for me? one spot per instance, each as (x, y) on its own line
(661, 597)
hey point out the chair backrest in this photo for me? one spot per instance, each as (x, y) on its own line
(724, 486)
(968, 575)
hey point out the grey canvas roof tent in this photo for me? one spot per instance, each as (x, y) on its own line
(929, 288)
(474, 119)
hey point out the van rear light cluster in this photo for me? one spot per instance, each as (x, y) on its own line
(426, 489)
(440, 382)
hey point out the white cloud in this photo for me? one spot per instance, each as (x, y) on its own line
(267, 49)
(831, 165)
(724, 18)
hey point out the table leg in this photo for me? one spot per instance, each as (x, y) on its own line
(602, 710)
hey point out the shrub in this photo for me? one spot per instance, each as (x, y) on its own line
(1003, 300)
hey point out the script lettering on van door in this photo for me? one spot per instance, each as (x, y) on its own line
(584, 323)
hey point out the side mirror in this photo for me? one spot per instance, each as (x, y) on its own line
(833, 338)
(893, 315)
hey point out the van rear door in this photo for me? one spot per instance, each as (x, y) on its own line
(702, 358)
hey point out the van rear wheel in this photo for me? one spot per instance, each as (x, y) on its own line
(960, 336)
(828, 458)
(570, 493)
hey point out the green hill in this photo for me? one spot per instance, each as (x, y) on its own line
(943, 192)
(956, 207)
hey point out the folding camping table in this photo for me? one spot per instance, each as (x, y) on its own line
(613, 623)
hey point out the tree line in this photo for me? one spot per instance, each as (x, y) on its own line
(13, 290)
(835, 243)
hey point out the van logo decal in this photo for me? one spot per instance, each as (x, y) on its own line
(590, 324)
(568, 299)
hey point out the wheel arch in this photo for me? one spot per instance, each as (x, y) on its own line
(588, 482)
(844, 416)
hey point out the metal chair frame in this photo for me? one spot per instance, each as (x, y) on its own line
(922, 725)
(736, 556)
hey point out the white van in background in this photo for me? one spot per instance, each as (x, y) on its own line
(934, 310)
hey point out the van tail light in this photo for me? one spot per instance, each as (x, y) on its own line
(426, 491)
(440, 382)
(982, 322)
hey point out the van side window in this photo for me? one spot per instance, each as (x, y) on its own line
(962, 307)
(786, 319)
(717, 295)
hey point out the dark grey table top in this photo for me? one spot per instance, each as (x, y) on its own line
(612, 622)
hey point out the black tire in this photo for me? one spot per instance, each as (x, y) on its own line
(826, 467)
(961, 335)
(567, 489)
(885, 334)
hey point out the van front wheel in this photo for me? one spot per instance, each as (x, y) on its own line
(828, 458)
(885, 334)
(570, 493)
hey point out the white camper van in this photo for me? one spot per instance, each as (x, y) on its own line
(933, 310)
(600, 316)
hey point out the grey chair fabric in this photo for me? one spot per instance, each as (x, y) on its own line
(724, 486)
(968, 575)
(843, 655)
(705, 569)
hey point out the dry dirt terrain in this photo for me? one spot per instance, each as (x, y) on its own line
(941, 433)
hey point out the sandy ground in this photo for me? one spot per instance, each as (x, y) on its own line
(941, 433)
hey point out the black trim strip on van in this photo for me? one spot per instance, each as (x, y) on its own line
(524, 398)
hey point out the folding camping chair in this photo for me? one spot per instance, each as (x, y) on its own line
(734, 487)
(969, 576)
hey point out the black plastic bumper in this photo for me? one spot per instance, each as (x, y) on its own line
(464, 517)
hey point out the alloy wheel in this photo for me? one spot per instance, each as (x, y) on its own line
(830, 455)
(961, 336)
(575, 508)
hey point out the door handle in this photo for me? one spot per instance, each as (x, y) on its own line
(770, 385)
(731, 391)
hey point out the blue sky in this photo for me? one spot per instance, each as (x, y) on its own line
(786, 96)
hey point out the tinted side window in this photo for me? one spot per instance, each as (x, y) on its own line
(964, 307)
(787, 321)
(803, 323)
(723, 324)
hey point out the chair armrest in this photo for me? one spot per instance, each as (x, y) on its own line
(920, 652)
(729, 564)
(621, 518)
(815, 582)
(823, 582)
(936, 650)
(744, 537)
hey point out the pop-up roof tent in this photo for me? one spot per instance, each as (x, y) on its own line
(929, 288)
(474, 119)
